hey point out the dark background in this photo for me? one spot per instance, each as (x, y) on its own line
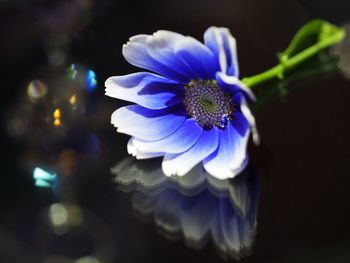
(304, 202)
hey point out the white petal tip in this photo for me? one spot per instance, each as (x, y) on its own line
(256, 137)
(167, 170)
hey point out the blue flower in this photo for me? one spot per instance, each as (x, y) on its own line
(192, 108)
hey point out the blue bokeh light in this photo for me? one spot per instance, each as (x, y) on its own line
(91, 80)
(43, 178)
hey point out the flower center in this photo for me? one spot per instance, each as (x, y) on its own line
(208, 104)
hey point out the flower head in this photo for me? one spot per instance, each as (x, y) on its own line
(190, 108)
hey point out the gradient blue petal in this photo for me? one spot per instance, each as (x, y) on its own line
(239, 99)
(146, 89)
(146, 124)
(136, 53)
(161, 47)
(141, 155)
(223, 45)
(172, 55)
(201, 60)
(230, 158)
(180, 164)
(233, 85)
(240, 123)
(179, 141)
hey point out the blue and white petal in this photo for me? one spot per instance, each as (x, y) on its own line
(136, 53)
(240, 122)
(201, 60)
(220, 41)
(180, 164)
(146, 124)
(172, 55)
(233, 85)
(146, 89)
(230, 158)
(140, 155)
(251, 119)
(179, 141)
(162, 47)
(238, 99)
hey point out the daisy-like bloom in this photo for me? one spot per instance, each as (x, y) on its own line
(191, 106)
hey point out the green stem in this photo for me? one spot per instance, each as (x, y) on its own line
(329, 36)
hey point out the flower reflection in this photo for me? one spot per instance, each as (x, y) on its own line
(197, 207)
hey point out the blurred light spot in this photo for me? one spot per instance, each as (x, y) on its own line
(42, 174)
(89, 259)
(43, 178)
(72, 71)
(57, 113)
(42, 184)
(58, 214)
(56, 57)
(15, 127)
(73, 99)
(85, 78)
(62, 216)
(36, 90)
(57, 117)
(91, 80)
(57, 122)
